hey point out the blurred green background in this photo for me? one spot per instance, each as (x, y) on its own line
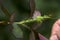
(46, 7)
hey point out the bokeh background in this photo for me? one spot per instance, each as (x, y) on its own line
(22, 9)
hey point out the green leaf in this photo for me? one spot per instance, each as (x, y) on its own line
(17, 31)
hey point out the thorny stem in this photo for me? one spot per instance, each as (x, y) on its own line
(40, 18)
(26, 21)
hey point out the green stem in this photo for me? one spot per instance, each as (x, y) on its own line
(38, 19)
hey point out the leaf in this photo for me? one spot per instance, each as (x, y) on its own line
(12, 17)
(17, 31)
(32, 7)
(4, 9)
(32, 36)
